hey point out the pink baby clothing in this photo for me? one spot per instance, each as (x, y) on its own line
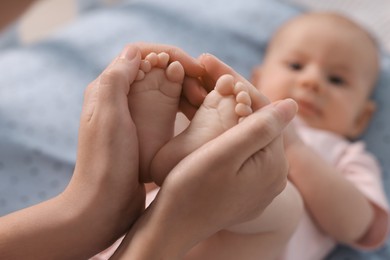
(358, 166)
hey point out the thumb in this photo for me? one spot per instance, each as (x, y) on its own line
(114, 82)
(257, 130)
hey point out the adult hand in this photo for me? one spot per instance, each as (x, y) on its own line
(107, 161)
(215, 68)
(228, 180)
(104, 196)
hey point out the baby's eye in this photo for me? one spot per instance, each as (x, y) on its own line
(336, 80)
(295, 66)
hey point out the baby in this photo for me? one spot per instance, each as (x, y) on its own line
(329, 65)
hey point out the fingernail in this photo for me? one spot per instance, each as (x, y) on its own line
(283, 102)
(129, 53)
(288, 107)
(204, 55)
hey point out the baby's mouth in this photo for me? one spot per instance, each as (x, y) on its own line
(307, 108)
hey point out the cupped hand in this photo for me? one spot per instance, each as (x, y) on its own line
(226, 181)
(105, 185)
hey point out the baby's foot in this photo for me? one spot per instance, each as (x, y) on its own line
(222, 109)
(153, 101)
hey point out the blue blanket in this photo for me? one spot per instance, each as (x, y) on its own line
(41, 86)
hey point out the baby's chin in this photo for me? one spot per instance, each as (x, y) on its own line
(301, 120)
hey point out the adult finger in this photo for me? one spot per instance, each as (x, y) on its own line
(113, 84)
(215, 68)
(259, 129)
(192, 98)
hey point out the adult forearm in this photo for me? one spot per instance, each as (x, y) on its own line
(50, 230)
(73, 225)
(11, 10)
(337, 206)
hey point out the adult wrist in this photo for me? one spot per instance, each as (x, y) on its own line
(96, 209)
(153, 237)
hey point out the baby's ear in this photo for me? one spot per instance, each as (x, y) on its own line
(363, 119)
(256, 74)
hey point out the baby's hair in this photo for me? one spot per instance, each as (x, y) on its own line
(353, 23)
(335, 15)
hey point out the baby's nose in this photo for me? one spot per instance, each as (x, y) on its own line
(310, 78)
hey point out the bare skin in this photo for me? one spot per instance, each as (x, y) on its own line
(82, 220)
(223, 192)
(193, 93)
(154, 102)
(222, 109)
(303, 63)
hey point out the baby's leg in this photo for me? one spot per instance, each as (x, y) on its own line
(153, 102)
(223, 107)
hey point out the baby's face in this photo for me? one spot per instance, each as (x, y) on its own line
(328, 67)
